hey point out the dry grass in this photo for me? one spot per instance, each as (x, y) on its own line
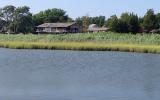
(88, 46)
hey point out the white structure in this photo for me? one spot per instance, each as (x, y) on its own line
(95, 28)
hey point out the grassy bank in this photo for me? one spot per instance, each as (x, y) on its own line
(95, 42)
(91, 46)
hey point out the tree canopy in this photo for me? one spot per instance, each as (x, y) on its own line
(50, 15)
(149, 20)
(16, 19)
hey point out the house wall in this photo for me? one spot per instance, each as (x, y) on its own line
(61, 30)
(48, 29)
(43, 29)
(51, 30)
(74, 28)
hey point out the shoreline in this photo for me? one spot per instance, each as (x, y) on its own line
(83, 46)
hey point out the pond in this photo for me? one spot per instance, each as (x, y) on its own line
(78, 75)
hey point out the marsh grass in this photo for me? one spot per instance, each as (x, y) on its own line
(146, 43)
(88, 46)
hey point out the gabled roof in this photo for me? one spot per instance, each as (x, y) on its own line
(64, 25)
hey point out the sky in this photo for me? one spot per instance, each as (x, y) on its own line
(77, 8)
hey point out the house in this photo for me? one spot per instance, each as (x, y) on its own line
(58, 28)
(95, 28)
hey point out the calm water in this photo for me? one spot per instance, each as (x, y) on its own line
(74, 75)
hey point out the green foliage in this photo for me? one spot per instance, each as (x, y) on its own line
(7, 13)
(17, 19)
(50, 15)
(7, 16)
(133, 23)
(23, 20)
(20, 20)
(113, 23)
(79, 21)
(149, 21)
(99, 20)
(128, 22)
(158, 20)
(2, 24)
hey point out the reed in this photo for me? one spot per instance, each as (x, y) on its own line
(85, 37)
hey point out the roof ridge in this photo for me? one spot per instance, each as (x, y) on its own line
(58, 24)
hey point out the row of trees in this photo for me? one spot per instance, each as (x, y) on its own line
(127, 22)
(130, 22)
(21, 20)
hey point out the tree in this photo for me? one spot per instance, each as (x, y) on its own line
(128, 22)
(113, 23)
(50, 15)
(99, 20)
(79, 21)
(7, 14)
(16, 19)
(158, 20)
(22, 20)
(133, 23)
(70, 19)
(2, 25)
(124, 23)
(85, 23)
(149, 21)
(39, 18)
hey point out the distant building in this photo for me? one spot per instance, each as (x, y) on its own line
(95, 28)
(58, 28)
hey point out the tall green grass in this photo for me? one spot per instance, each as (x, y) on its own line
(85, 37)
(148, 43)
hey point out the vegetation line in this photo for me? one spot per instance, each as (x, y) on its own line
(108, 41)
(20, 20)
(88, 46)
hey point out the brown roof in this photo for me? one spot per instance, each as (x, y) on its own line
(56, 24)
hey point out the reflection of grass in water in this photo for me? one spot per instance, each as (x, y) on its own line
(92, 46)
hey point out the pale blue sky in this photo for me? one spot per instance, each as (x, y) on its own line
(77, 8)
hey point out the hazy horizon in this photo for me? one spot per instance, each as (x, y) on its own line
(77, 8)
